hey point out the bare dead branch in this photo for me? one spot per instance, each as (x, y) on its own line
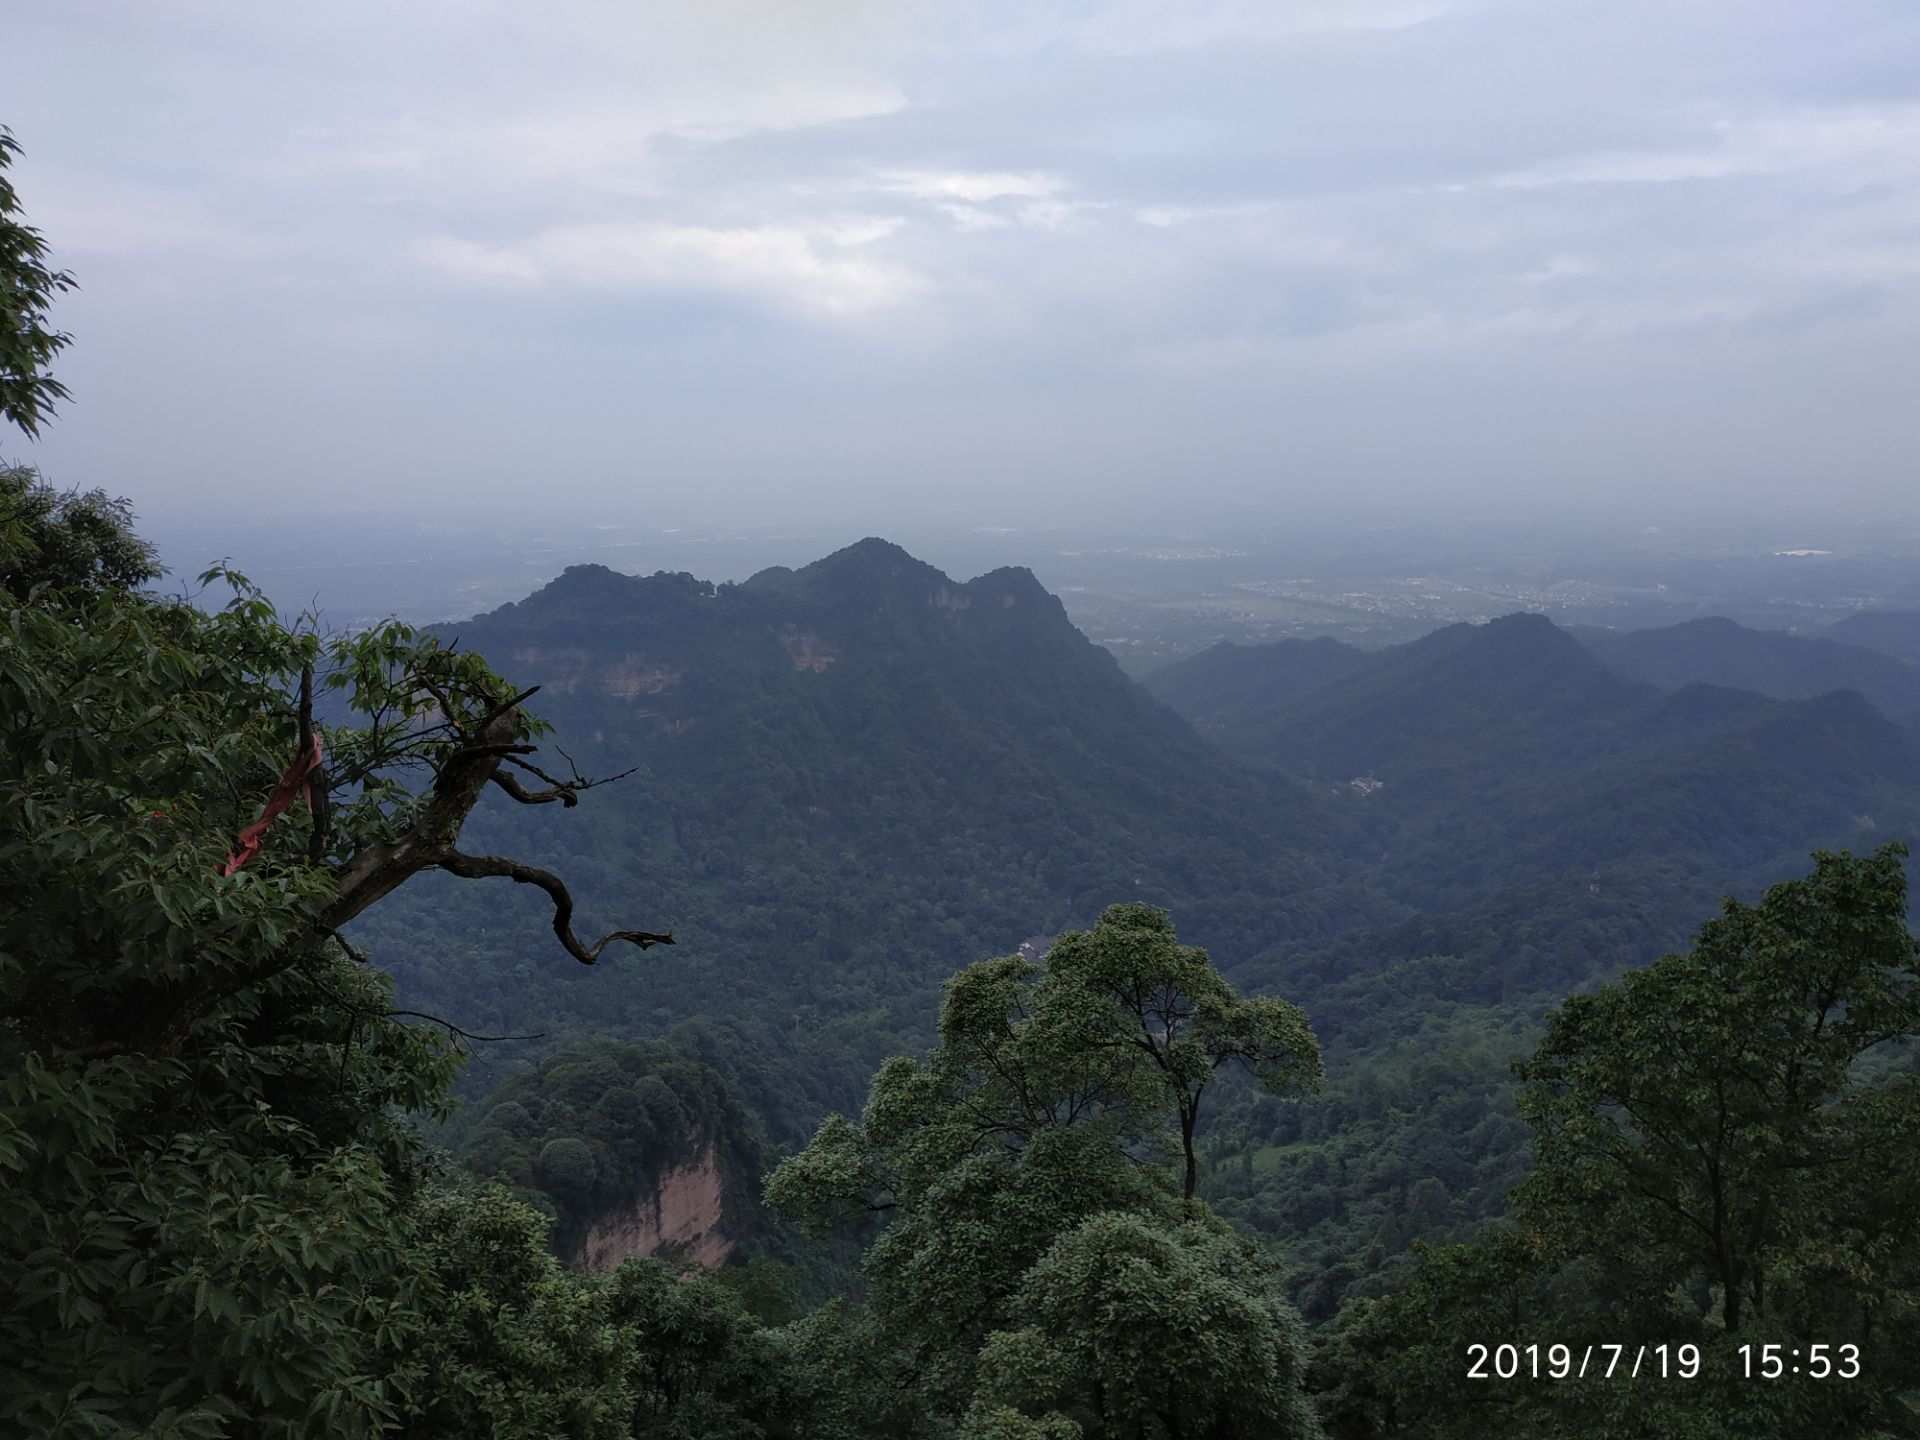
(453, 1029)
(357, 1013)
(482, 867)
(379, 870)
(567, 792)
(576, 781)
(563, 793)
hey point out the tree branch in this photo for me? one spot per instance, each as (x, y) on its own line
(317, 777)
(563, 793)
(483, 867)
(359, 957)
(358, 1013)
(453, 1029)
(378, 870)
(567, 791)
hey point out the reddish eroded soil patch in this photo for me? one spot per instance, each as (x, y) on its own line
(682, 1214)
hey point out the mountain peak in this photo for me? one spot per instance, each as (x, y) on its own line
(582, 585)
(875, 547)
(872, 556)
(1509, 648)
(865, 570)
(1011, 583)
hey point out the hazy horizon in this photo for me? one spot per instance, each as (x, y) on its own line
(1116, 266)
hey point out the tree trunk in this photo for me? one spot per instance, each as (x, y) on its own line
(1189, 1113)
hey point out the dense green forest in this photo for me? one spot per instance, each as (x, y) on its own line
(908, 1112)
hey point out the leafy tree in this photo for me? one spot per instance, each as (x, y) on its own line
(1714, 1105)
(1002, 1140)
(1166, 1000)
(701, 1365)
(567, 1165)
(1725, 1159)
(196, 1224)
(1141, 1329)
(519, 1346)
(71, 543)
(27, 288)
(1018, 1168)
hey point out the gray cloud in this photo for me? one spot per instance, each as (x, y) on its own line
(1005, 262)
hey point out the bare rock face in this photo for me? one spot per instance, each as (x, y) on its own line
(561, 669)
(681, 1216)
(808, 651)
(571, 670)
(632, 676)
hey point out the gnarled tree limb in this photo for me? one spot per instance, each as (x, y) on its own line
(567, 792)
(376, 872)
(482, 867)
(564, 794)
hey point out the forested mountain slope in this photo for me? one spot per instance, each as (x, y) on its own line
(1231, 691)
(1507, 758)
(1508, 750)
(1551, 823)
(1768, 662)
(1891, 632)
(850, 778)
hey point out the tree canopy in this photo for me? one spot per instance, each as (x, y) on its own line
(1036, 1246)
(28, 285)
(1724, 1160)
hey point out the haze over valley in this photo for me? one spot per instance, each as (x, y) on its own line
(1148, 596)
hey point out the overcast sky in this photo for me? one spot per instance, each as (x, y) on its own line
(737, 261)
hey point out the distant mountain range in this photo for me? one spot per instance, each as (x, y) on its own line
(1768, 662)
(1503, 749)
(1549, 820)
(1891, 632)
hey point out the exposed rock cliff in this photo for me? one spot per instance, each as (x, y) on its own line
(680, 1218)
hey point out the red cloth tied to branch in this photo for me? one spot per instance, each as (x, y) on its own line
(292, 782)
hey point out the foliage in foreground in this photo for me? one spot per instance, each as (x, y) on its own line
(28, 285)
(215, 1217)
(1040, 1271)
(1725, 1158)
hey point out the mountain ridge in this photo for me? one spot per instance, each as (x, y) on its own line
(1895, 633)
(849, 779)
(1720, 651)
